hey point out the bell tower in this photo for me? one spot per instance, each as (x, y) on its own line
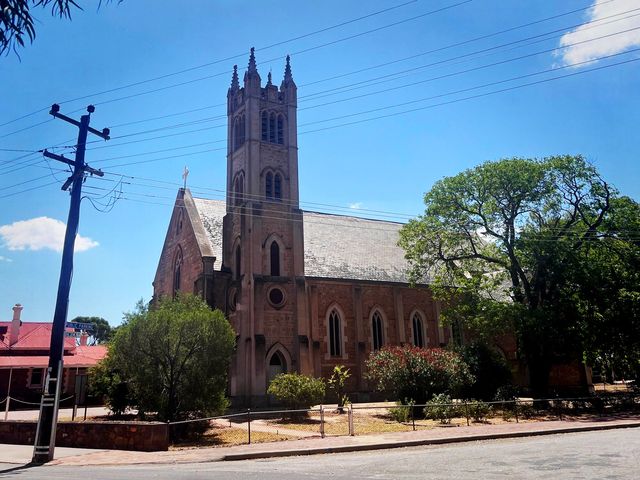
(263, 237)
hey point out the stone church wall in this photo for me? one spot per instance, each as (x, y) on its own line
(191, 267)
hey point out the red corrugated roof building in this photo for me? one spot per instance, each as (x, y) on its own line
(24, 357)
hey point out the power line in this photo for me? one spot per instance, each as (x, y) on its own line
(468, 70)
(280, 215)
(411, 102)
(369, 81)
(471, 40)
(299, 37)
(475, 88)
(451, 59)
(359, 34)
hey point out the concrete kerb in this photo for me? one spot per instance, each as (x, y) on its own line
(341, 444)
(421, 442)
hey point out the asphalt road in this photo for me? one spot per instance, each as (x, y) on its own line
(613, 454)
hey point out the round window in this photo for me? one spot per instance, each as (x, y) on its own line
(276, 297)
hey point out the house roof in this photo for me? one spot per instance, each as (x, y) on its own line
(81, 358)
(335, 246)
(36, 337)
(33, 336)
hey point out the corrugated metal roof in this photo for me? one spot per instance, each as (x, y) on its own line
(335, 246)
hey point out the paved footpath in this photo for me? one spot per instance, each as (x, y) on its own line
(83, 457)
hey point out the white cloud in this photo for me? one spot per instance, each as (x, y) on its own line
(39, 234)
(5, 259)
(595, 28)
(355, 205)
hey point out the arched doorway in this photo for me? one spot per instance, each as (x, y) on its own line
(277, 365)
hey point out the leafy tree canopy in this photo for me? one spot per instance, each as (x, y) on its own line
(510, 246)
(101, 332)
(17, 24)
(174, 357)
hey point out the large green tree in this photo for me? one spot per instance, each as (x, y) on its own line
(101, 332)
(174, 357)
(17, 23)
(506, 245)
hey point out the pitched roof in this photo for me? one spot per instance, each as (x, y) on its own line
(32, 336)
(211, 213)
(81, 358)
(335, 246)
(35, 337)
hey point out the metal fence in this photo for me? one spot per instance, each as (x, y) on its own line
(12, 404)
(254, 426)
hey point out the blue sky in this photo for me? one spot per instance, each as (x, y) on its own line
(384, 164)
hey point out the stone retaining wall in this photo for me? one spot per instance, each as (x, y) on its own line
(147, 436)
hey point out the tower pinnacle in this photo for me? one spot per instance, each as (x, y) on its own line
(252, 62)
(235, 84)
(251, 76)
(288, 77)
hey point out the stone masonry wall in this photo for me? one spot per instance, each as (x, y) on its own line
(146, 437)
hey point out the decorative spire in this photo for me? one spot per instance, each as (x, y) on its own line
(252, 62)
(288, 78)
(235, 83)
(269, 79)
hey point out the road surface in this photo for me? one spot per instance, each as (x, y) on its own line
(612, 454)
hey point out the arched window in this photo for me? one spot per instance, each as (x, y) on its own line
(418, 330)
(280, 129)
(275, 259)
(238, 189)
(265, 126)
(335, 333)
(268, 185)
(376, 330)
(277, 187)
(272, 127)
(237, 271)
(177, 267)
(238, 132)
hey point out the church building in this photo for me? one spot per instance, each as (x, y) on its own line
(304, 290)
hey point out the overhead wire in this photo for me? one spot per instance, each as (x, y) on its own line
(122, 87)
(397, 105)
(421, 54)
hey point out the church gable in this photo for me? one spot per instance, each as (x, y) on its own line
(186, 245)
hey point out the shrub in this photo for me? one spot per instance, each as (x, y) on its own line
(402, 411)
(107, 384)
(440, 408)
(478, 410)
(417, 373)
(297, 391)
(336, 382)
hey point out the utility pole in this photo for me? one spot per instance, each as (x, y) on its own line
(46, 431)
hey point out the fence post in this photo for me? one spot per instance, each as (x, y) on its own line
(413, 417)
(350, 413)
(321, 421)
(248, 426)
(466, 411)
(515, 403)
(6, 409)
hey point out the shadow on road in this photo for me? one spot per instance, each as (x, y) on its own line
(10, 471)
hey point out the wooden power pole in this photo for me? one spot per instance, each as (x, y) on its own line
(46, 431)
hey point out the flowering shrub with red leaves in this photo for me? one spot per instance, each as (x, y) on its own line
(412, 373)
